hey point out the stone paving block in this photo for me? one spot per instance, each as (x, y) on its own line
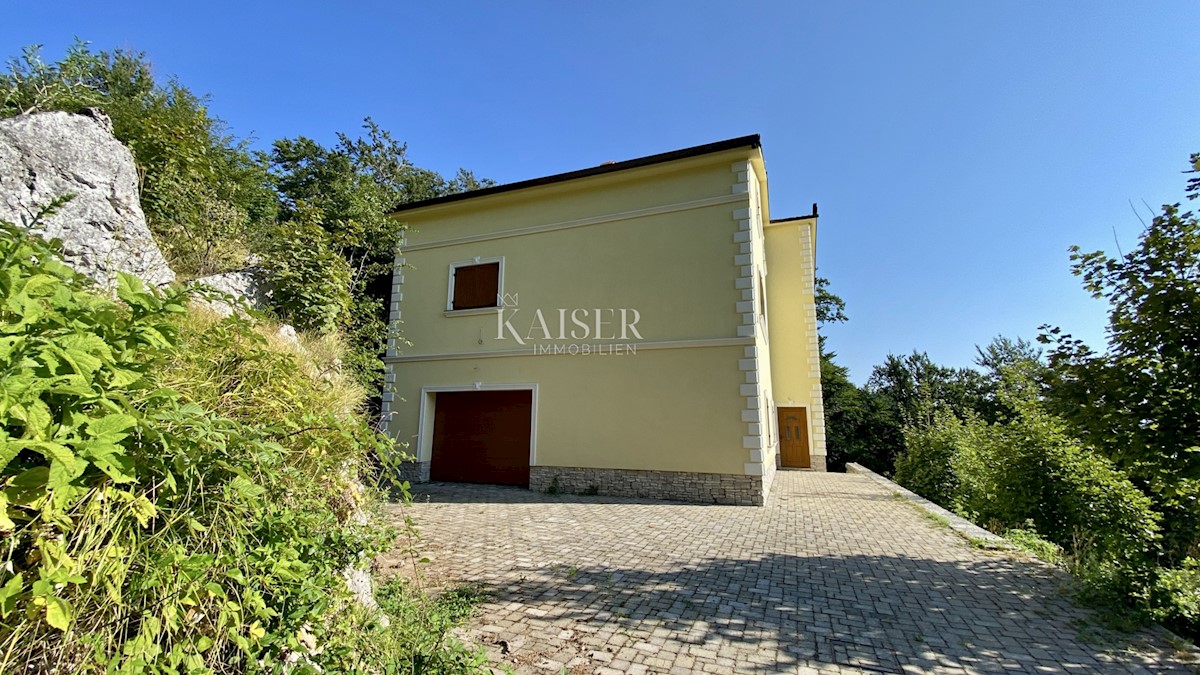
(831, 572)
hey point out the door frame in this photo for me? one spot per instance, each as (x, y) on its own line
(424, 451)
(807, 434)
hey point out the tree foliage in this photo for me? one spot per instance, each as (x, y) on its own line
(1136, 402)
(342, 195)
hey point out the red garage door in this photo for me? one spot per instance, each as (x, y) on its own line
(482, 437)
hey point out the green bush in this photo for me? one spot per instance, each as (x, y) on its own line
(1031, 469)
(925, 464)
(176, 490)
(1176, 598)
(1029, 478)
(310, 281)
(1027, 539)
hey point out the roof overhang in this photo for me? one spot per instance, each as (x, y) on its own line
(749, 142)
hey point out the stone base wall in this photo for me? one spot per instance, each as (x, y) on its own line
(817, 462)
(683, 486)
(414, 472)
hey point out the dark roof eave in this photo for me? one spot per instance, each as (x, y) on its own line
(751, 141)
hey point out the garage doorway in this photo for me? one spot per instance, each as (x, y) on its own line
(482, 436)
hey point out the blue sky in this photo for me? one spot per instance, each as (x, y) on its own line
(956, 148)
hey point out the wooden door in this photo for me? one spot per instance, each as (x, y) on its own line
(793, 438)
(482, 437)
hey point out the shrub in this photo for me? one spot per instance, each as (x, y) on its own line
(311, 281)
(1030, 469)
(1027, 539)
(1029, 478)
(925, 464)
(1177, 596)
(176, 490)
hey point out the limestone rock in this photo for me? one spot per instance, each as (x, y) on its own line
(250, 284)
(44, 156)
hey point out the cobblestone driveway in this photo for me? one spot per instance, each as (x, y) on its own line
(834, 574)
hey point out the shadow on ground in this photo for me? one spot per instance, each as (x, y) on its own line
(801, 600)
(878, 614)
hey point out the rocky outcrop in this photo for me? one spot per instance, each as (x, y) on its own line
(45, 156)
(251, 285)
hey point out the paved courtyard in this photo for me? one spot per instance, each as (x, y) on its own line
(834, 574)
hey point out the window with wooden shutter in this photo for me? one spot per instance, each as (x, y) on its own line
(476, 286)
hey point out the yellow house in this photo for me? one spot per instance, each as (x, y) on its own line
(639, 328)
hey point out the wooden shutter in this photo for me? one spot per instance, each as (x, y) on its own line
(476, 286)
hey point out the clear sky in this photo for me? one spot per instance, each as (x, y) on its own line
(956, 148)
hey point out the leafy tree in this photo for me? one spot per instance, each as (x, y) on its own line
(347, 192)
(1003, 352)
(1137, 401)
(860, 425)
(830, 308)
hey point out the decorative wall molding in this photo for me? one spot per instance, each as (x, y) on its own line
(528, 350)
(581, 222)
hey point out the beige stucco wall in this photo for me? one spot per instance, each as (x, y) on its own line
(664, 409)
(675, 269)
(795, 365)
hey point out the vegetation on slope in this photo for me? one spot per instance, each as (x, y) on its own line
(180, 492)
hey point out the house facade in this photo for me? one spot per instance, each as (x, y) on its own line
(641, 328)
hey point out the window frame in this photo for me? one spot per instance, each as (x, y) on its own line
(472, 262)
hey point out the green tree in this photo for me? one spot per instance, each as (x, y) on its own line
(347, 192)
(830, 308)
(1137, 400)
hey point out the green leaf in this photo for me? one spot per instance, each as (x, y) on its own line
(82, 362)
(6, 523)
(132, 291)
(9, 594)
(143, 510)
(58, 613)
(40, 285)
(245, 487)
(28, 486)
(109, 458)
(8, 450)
(54, 452)
(111, 427)
(36, 416)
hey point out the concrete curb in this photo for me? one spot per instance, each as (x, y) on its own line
(962, 526)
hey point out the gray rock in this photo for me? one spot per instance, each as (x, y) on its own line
(250, 284)
(44, 156)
